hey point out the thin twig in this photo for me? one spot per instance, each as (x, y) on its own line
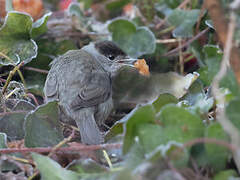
(228, 127)
(181, 60)
(10, 76)
(63, 149)
(33, 98)
(167, 30)
(63, 142)
(107, 159)
(18, 70)
(172, 52)
(22, 160)
(5, 56)
(202, 12)
(3, 80)
(12, 92)
(218, 142)
(220, 23)
(166, 41)
(21, 77)
(36, 70)
(12, 112)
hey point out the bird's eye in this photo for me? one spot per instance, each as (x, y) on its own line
(111, 57)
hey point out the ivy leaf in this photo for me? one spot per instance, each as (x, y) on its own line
(12, 123)
(164, 99)
(212, 59)
(229, 174)
(16, 44)
(82, 22)
(74, 10)
(3, 140)
(145, 114)
(183, 22)
(117, 5)
(179, 124)
(176, 153)
(85, 166)
(50, 169)
(233, 113)
(40, 26)
(135, 41)
(217, 155)
(42, 128)
(176, 124)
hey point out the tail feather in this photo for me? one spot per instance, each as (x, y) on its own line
(89, 131)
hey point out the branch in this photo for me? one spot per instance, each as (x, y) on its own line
(220, 24)
(63, 149)
(176, 50)
(227, 125)
(229, 146)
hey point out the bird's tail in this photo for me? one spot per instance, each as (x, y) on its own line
(89, 131)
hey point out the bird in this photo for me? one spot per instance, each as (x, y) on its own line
(81, 81)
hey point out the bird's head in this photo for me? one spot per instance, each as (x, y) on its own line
(109, 55)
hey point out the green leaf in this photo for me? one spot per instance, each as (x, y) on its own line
(116, 129)
(87, 3)
(74, 10)
(233, 113)
(217, 155)
(134, 157)
(179, 124)
(225, 175)
(3, 140)
(15, 41)
(175, 152)
(117, 5)
(164, 99)
(40, 26)
(145, 114)
(183, 22)
(229, 81)
(195, 89)
(135, 41)
(84, 166)
(173, 3)
(197, 99)
(151, 136)
(81, 22)
(50, 169)
(213, 57)
(42, 128)
(35, 83)
(12, 123)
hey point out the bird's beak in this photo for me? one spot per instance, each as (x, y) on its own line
(128, 61)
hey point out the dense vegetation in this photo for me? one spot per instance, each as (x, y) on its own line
(181, 122)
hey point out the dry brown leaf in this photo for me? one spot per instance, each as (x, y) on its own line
(142, 66)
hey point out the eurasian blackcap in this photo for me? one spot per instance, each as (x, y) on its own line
(81, 80)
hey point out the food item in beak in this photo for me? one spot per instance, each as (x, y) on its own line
(142, 67)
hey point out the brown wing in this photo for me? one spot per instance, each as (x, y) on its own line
(94, 92)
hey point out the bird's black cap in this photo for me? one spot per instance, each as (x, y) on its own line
(109, 48)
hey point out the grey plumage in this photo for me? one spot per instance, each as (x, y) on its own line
(81, 81)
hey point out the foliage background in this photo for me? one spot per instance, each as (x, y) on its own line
(182, 122)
